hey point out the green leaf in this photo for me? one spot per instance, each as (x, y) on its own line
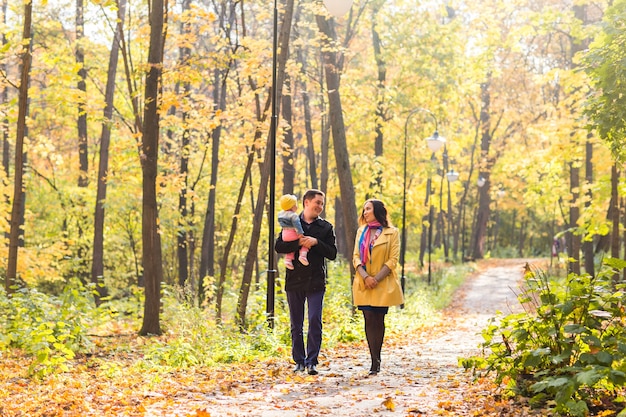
(574, 328)
(604, 357)
(577, 408)
(587, 358)
(558, 382)
(615, 263)
(617, 377)
(589, 377)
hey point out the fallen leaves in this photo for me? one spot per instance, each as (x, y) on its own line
(200, 413)
(389, 404)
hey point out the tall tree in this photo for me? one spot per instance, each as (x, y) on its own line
(333, 66)
(183, 202)
(226, 20)
(4, 98)
(288, 150)
(605, 109)
(151, 238)
(18, 178)
(83, 146)
(574, 238)
(302, 54)
(588, 251)
(97, 266)
(479, 233)
(380, 97)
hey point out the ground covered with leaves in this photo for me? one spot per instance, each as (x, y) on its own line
(420, 373)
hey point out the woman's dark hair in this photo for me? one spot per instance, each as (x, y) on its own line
(380, 212)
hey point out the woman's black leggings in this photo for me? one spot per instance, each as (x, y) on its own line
(375, 333)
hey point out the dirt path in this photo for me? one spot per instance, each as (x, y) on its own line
(421, 377)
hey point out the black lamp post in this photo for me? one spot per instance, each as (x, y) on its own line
(434, 143)
(336, 8)
(271, 263)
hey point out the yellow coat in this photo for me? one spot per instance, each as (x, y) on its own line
(385, 251)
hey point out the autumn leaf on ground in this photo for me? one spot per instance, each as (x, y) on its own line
(200, 413)
(389, 404)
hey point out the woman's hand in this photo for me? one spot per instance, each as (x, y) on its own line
(370, 282)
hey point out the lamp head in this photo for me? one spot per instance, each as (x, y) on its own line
(452, 175)
(338, 7)
(435, 142)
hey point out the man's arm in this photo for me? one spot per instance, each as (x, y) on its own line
(326, 245)
(280, 246)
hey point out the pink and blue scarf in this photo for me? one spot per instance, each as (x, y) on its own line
(366, 242)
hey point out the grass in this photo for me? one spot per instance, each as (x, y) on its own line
(192, 338)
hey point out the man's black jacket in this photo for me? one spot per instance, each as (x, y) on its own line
(313, 276)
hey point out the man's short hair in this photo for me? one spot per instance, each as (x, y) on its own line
(311, 194)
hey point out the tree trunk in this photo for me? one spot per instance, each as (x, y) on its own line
(306, 107)
(183, 209)
(377, 177)
(588, 243)
(484, 195)
(324, 169)
(4, 98)
(83, 147)
(219, 294)
(615, 220)
(210, 227)
(152, 256)
(342, 246)
(573, 236)
(18, 182)
(207, 250)
(288, 150)
(623, 216)
(302, 53)
(97, 266)
(332, 68)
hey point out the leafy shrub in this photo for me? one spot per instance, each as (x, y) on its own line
(51, 329)
(567, 350)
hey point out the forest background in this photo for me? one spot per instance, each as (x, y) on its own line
(158, 114)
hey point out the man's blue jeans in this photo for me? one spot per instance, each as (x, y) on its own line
(315, 304)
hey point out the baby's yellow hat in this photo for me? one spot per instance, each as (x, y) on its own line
(288, 201)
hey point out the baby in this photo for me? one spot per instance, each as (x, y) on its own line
(289, 220)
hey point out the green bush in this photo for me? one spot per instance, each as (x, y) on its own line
(53, 329)
(50, 329)
(566, 351)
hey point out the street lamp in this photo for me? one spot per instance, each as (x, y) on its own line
(452, 175)
(336, 8)
(435, 142)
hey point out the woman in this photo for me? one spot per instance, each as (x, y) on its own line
(376, 286)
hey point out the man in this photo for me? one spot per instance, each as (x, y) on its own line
(307, 284)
